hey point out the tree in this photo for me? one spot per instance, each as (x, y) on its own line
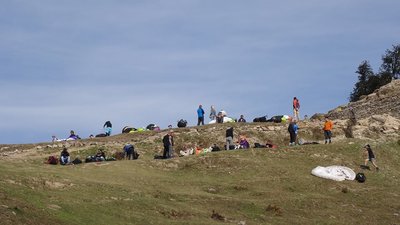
(391, 63)
(368, 82)
(365, 77)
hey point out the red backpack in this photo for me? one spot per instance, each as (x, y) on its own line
(52, 160)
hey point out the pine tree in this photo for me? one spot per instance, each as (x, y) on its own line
(391, 63)
(363, 86)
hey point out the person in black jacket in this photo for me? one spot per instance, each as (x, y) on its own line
(242, 119)
(229, 138)
(168, 142)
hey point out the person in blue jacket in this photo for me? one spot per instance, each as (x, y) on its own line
(107, 128)
(292, 128)
(200, 115)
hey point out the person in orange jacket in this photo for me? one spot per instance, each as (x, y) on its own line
(328, 130)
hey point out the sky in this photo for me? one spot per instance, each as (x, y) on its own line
(72, 65)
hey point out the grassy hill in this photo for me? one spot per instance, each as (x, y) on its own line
(255, 186)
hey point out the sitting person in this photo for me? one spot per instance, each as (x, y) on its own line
(243, 143)
(64, 158)
(73, 136)
(100, 156)
(186, 151)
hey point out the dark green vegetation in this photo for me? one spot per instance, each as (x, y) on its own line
(368, 82)
(256, 186)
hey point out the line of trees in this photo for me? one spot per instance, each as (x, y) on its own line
(368, 81)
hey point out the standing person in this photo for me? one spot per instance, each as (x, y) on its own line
(107, 128)
(229, 137)
(328, 130)
(64, 157)
(219, 118)
(369, 157)
(168, 142)
(242, 119)
(296, 129)
(200, 115)
(292, 133)
(213, 113)
(296, 108)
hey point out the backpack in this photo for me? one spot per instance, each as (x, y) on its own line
(135, 154)
(151, 126)
(52, 160)
(215, 148)
(258, 145)
(76, 161)
(128, 129)
(260, 119)
(360, 177)
(182, 123)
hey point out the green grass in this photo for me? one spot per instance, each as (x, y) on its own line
(257, 186)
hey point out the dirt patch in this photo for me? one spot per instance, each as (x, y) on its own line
(277, 211)
(174, 214)
(216, 216)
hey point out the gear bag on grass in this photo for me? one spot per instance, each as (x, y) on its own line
(360, 177)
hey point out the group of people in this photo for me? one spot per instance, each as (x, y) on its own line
(218, 117)
(293, 130)
(129, 153)
(242, 143)
(168, 139)
(73, 137)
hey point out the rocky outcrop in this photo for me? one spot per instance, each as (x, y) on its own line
(376, 116)
(385, 100)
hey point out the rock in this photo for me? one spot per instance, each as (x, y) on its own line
(379, 118)
(383, 101)
(212, 190)
(54, 207)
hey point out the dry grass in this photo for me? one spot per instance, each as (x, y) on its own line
(255, 186)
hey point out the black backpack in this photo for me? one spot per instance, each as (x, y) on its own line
(76, 161)
(260, 119)
(182, 123)
(150, 126)
(360, 177)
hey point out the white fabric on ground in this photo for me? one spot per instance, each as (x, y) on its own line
(338, 173)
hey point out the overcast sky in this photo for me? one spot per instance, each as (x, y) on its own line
(71, 64)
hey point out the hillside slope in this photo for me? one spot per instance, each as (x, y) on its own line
(255, 186)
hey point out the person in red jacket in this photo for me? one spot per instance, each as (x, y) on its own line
(296, 109)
